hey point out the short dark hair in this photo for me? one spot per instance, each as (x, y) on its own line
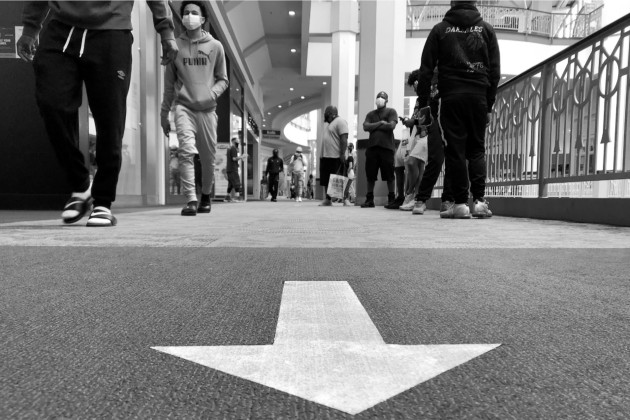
(197, 3)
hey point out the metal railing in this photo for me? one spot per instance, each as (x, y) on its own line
(513, 19)
(562, 128)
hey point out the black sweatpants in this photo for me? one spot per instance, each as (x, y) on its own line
(273, 184)
(463, 122)
(433, 167)
(104, 66)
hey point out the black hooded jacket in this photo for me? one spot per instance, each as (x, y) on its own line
(466, 52)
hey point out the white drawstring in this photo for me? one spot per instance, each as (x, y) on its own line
(82, 43)
(68, 40)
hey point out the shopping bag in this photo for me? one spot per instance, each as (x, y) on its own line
(337, 186)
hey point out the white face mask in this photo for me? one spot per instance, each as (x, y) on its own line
(380, 102)
(191, 22)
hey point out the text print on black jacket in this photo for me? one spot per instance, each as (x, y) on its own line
(466, 52)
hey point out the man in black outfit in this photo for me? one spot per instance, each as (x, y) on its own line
(466, 52)
(379, 154)
(275, 165)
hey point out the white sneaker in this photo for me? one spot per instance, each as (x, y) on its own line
(410, 202)
(481, 210)
(457, 211)
(446, 205)
(299, 199)
(419, 208)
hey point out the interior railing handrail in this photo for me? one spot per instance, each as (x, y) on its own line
(594, 37)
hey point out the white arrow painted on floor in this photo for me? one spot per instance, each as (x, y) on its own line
(328, 350)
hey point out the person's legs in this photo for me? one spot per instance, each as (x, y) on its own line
(300, 185)
(452, 119)
(186, 126)
(273, 185)
(434, 163)
(475, 147)
(59, 93)
(206, 142)
(106, 69)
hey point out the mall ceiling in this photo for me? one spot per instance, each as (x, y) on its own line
(269, 34)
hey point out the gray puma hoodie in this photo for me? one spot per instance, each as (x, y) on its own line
(197, 77)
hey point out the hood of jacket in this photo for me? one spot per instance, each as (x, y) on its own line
(463, 15)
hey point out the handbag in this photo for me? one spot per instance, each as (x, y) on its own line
(337, 186)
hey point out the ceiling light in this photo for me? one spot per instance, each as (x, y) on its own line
(279, 106)
(291, 13)
(291, 89)
(301, 97)
(293, 50)
(268, 113)
(324, 83)
(264, 125)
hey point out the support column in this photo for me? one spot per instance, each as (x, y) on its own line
(344, 27)
(381, 68)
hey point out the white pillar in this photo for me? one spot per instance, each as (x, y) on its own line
(382, 64)
(344, 27)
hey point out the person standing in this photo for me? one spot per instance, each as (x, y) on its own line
(297, 167)
(275, 166)
(435, 159)
(234, 180)
(466, 52)
(379, 155)
(351, 168)
(192, 85)
(86, 42)
(333, 149)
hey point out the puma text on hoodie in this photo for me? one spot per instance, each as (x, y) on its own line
(197, 77)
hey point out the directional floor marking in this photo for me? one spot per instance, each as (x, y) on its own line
(328, 350)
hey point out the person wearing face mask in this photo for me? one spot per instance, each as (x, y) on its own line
(275, 166)
(297, 168)
(86, 43)
(333, 149)
(379, 155)
(192, 85)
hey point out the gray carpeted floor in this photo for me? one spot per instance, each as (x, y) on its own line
(77, 324)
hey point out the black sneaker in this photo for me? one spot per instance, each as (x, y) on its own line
(204, 207)
(190, 209)
(395, 205)
(368, 204)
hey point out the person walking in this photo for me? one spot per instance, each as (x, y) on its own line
(466, 52)
(275, 166)
(333, 149)
(86, 42)
(297, 167)
(231, 169)
(379, 155)
(310, 187)
(192, 86)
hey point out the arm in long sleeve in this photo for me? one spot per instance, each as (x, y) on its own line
(33, 15)
(429, 60)
(220, 74)
(169, 89)
(494, 73)
(162, 19)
